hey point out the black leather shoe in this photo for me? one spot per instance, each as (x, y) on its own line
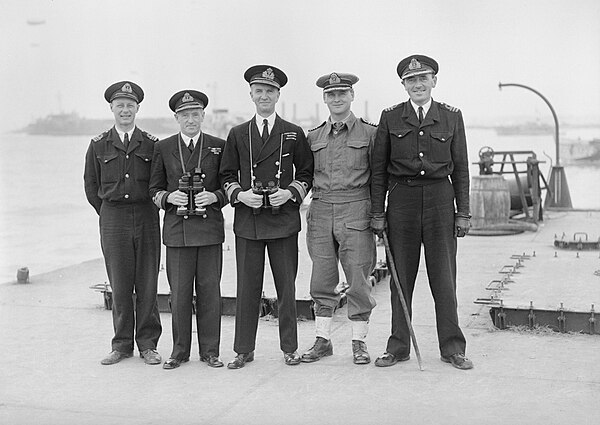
(291, 359)
(240, 360)
(360, 354)
(212, 361)
(388, 359)
(151, 356)
(115, 357)
(173, 363)
(321, 348)
(458, 360)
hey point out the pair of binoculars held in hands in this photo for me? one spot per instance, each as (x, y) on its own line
(259, 189)
(191, 184)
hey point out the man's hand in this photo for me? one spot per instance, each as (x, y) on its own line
(205, 198)
(378, 224)
(280, 197)
(177, 198)
(462, 225)
(250, 198)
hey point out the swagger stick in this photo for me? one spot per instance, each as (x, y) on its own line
(388, 251)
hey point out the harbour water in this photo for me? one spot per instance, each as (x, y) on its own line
(47, 224)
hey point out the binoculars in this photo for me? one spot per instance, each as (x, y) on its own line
(259, 189)
(191, 184)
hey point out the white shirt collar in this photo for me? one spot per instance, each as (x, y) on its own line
(186, 139)
(425, 107)
(270, 118)
(122, 133)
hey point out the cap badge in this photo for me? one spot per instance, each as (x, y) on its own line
(126, 88)
(187, 98)
(414, 64)
(268, 74)
(334, 79)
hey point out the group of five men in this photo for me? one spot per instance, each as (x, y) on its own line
(416, 157)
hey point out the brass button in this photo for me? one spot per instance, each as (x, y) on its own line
(422, 172)
(420, 133)
(126, 196)
(421, 154)
(126, 176)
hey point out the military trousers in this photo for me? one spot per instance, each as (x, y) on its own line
(250, 259)
(199, 268)
(424, 215)
(130, 240)
(340, 233)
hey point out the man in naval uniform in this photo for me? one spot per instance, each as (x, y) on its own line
(117, 170)
(338, 217)
(267, 170)
(193, 237)
(420, 163)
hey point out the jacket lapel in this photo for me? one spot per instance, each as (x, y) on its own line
(273, 142)
(116, 140)
(409, 115)
(180, 145)
(433, 114)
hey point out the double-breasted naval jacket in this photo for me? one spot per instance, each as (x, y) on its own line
(284, 159)
(182, 231)
(419, 154)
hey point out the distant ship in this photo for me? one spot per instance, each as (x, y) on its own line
(579, 152)
(218, 123)
(526, 129)
(72, 124)
(67, 124)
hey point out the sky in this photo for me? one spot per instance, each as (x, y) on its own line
(66, 63)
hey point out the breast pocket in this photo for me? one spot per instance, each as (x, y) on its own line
(109, 167)
(143, 163)
(358, 154)
(319, 154)
(440, 146)
(400, 141)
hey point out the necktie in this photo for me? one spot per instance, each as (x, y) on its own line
(420, 114)
(126, 140)
(191, 145)
(265, 131)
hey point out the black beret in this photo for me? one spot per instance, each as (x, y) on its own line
(266, 74)
(416, 65)
(126, 89)
(336, 81)
(187, 99)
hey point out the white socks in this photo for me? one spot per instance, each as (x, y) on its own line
(323, 325)
(360, 330)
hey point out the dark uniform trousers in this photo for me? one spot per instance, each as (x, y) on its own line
(283, 257)
(194, 243)
(130, 240)
(424, 214)
(204, 263)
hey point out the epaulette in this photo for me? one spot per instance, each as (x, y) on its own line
(150, 136)
(450, 108)
(391, 108)
(100, 137)
(319, 126)
(368, 123)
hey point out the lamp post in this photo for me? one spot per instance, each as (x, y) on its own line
(558, 192)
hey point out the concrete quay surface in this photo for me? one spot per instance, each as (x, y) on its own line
(54, 332)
